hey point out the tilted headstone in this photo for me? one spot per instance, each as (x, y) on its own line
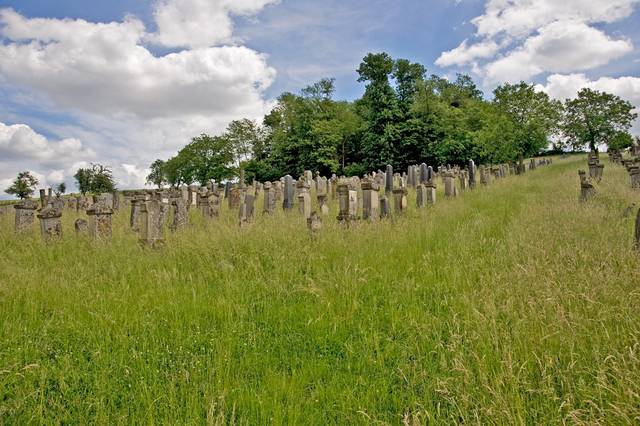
(421, 195)
(25, 215)
(247, 209)
(314, 223)
(346, 213)
(323, 205)
(586, 189)
(370, 200)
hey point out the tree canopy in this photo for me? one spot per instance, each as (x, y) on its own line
(23, 186)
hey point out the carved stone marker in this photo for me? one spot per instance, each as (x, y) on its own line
(449, 185)
(180, 214)
(345, 215)
(25, 215)
(314, 223)
(151, 229)
(81, 227)
(247, 209)
(304, 197)
(50, 223)
(388, 185)
(289, 193)
(430, 188)
(370, 200)
(100, 226)
(269, 198)
(421, 196)
(399, 200)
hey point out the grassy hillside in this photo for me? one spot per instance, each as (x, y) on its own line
(512, 304)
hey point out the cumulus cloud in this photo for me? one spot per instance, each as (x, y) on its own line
(124, 104)
(518, 39)
(200, 23)
(566, 86)
(562, 46)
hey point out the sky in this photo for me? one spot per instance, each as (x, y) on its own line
(123, 82)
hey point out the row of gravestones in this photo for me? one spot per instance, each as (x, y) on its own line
(150, 210)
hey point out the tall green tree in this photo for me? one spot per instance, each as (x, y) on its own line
(97, 179)
(595, 118)
(157, 175)
(206, 158)
(535, 115)
(23, 186)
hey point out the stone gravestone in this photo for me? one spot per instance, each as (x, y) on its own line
(323, 204)
(50, 223)
(247, 209)
(586, 189)
(314, 223)
(370, 200)
(304, 197)
(388, 186)
(634, 176)
(180, 214)
(399, 200)
(134, 218)
(430, 188)
(637, 239)
(424, 173)
(235, 197)
(269, 198)
(100, 221)
(151, 229)
(289, 193)
(25, 215)
(421, 195)
(449, 185)
(385, 209)
(346, 213)
(81, 227)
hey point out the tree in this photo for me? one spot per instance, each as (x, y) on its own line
(620, 141)
(23, 186)
(97, 179)
(205, 158)
(535, 115)
(595, 118)
(60, 189)
(157, 175)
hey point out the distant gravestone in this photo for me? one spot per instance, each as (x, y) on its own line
(247, 209)
(421, 196)
(81, 227)
(269, 201)
(637, 233)
(323, 204)
(345, 214)
(180, 214)
(388, 187)
(449, 185)
(151, 229)
(304, 197)
(399, 200)
(430, 188)
(314, 223)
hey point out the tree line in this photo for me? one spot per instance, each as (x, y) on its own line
(404, 117)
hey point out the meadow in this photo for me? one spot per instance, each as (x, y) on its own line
(513, 304)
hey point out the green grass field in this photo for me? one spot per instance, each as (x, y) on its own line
(513, 304)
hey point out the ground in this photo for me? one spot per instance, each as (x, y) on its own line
(513, 304)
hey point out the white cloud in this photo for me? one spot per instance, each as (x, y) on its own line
(518, 39)
(466, 53)
(200, 23)
(566, 86)
(562, 46)
(121, 102)
(19, 141)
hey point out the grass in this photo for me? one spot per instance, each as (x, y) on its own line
(513, 304)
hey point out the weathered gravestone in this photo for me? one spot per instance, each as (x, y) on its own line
(25, 215)
(449, 185)
(421, 196)
(269, 205)
(304, 197)
(81, 227)
(151, 227)
(347, 203)
(50, 223)
(247, 208)
(289, 193)
(314, 223)
(388, 187)
(399, 200)
(100, 222)
(180, 214)
(370, 200)
(586, 189)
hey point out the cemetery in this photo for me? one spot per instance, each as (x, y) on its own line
(428, 294)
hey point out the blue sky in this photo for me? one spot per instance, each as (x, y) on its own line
(126, 81)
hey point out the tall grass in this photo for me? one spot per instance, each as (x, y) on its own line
(512, 304)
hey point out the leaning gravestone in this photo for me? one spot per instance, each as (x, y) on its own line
(81, 227)
(180, 214)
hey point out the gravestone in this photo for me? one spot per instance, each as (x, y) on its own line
(25, 215)
(346, 209)
(100, 226)
(247, 209)
(289, 193)
(385, 208)
(370, 200)
(50, 223)
(151, 229)
(637, 233)
(235, 197)
(449, 185)
(81, 227)
(421, 196)
(399, 200)
(430, 188)
(388, 187)
(314, 223)
(322, 204)
(269, 201)
(304, 197)
(424, 173)
(180, 214)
